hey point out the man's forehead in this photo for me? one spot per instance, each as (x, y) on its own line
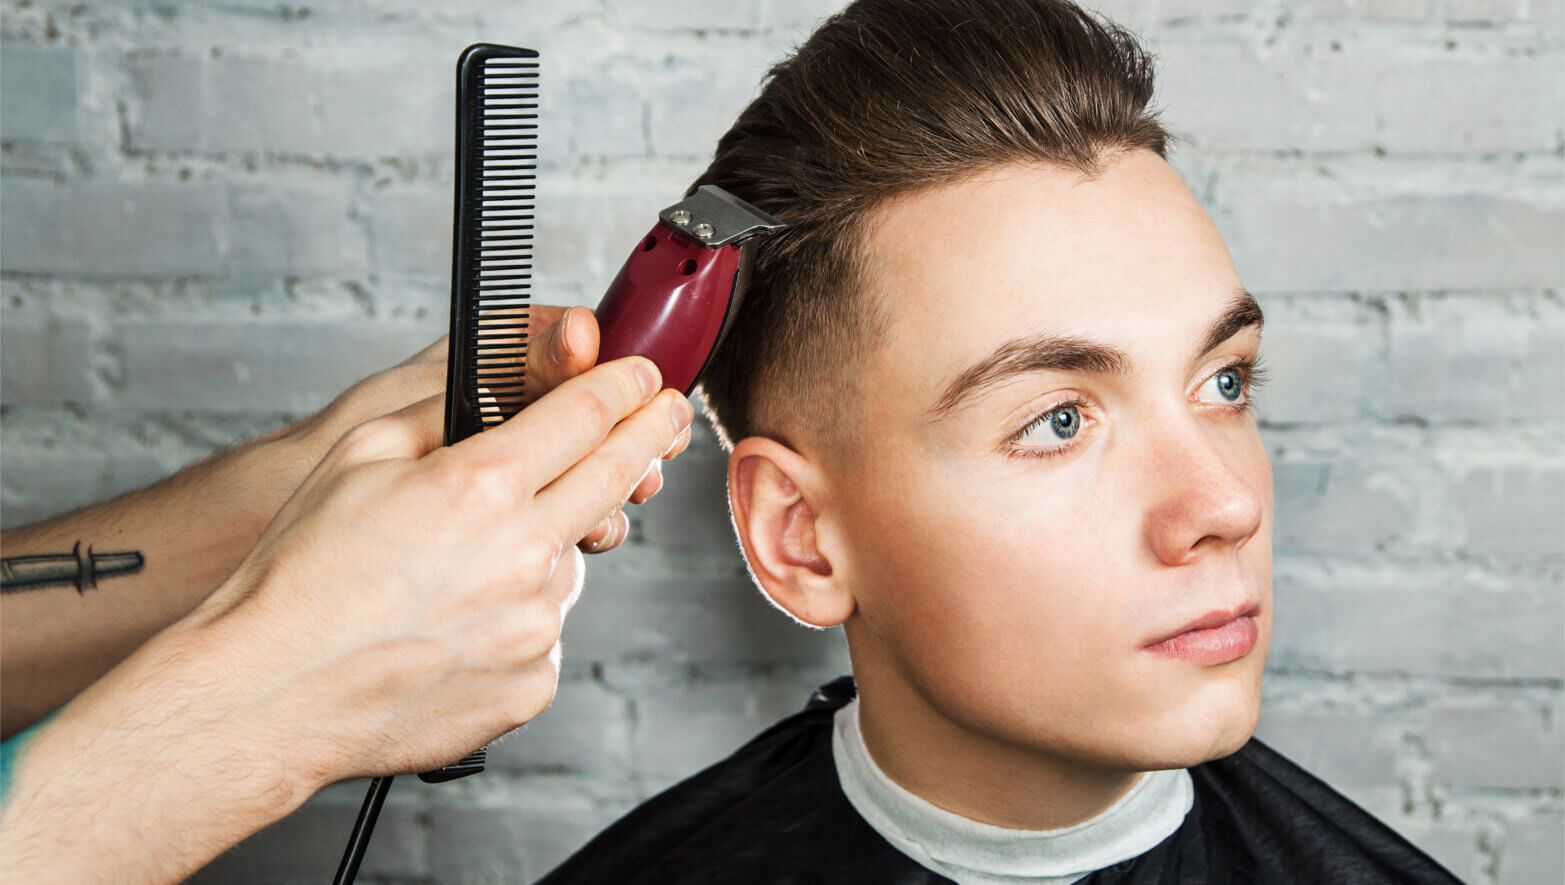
(990, 246)
(967, 269)
(951, 229)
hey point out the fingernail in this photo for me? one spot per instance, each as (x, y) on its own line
(598, 544)
(682, 436)
(560, 348)
(682, 411)
(647, 372)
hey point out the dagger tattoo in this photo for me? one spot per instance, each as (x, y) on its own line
(79, 568)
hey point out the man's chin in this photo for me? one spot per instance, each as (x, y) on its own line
(1183, 739)
(1159, 754)
(1203, 713)
(1210, 726)
(1212, 734)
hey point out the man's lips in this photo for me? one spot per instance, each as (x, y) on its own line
(1210, 620)
(1214, 638)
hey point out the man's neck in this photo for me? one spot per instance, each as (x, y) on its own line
(977, 776)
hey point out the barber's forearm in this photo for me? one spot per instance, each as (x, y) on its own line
(189, 532)
(153, 771)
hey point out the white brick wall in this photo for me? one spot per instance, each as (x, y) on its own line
(213, 217)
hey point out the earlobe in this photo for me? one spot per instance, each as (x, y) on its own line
(774, 493)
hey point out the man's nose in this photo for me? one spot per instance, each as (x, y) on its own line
(1201, 497)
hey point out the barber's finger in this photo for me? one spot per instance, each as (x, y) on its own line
(539, 320)
(542, 316)
(681, 443)
(568, 423)
(607, 535)
(559, 350)
(564, 585)
(424, 422)
(621, 532)
(549, 356)
(412, 431)
(602, 480)
(594, 539)
(649, 485)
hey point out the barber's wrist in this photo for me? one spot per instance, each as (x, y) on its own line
(282, 719)
(236, 718)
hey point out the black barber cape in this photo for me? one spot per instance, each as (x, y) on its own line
(774, 812)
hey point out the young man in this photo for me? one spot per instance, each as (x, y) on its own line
(1045, 526)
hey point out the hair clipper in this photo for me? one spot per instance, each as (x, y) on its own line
(678, 293)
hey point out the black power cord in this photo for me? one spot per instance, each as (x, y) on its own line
(353, 855)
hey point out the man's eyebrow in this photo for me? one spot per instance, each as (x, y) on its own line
(1242, 313)
(1066, 353)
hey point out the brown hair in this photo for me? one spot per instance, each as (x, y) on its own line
(886, 98)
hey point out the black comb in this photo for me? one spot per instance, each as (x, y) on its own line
(491, 274)
(491, 255)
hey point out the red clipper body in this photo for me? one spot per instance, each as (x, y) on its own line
(678, 292)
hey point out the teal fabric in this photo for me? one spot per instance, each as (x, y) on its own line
(11, 750)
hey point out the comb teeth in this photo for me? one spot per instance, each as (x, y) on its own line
(472, 763)
(497, 109)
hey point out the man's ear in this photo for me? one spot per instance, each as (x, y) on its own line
(776, 496)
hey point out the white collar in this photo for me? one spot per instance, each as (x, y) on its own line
(968, 851)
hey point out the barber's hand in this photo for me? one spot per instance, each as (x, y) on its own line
(569, 343)
(402, 609)
(562, 343)
(195, 527)
(408, 600)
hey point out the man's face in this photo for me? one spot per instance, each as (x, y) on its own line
(1016, 545)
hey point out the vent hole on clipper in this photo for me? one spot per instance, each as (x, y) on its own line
(648, 244)
(688, 266)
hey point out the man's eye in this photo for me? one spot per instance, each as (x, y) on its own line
(1226, 386)
(1057, 425)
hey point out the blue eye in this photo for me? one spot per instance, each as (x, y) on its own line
(1229, 383)
(1064, 421)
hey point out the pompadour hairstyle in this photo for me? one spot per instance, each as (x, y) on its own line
(886, 98)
